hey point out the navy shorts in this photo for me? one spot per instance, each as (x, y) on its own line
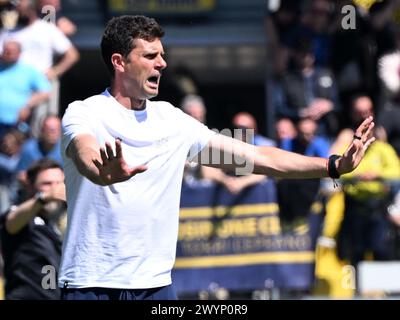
(161, 293)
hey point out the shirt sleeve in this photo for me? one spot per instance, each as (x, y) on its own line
(75, 121)
(198, 135)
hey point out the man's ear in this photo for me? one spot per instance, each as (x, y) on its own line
(118, 62)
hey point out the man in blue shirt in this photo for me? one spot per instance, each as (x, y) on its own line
(307, 142)
(22, 88)
(47, 145)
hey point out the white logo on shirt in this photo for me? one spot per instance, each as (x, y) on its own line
(161, 142)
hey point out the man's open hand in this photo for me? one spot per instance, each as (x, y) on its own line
(363, 137)
(113, 168)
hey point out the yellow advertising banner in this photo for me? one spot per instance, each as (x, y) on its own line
(161, 6)
(364, 3)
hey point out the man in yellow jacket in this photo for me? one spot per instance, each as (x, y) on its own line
(365, 224)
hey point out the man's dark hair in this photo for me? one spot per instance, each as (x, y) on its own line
(39, 166)
(121, 32)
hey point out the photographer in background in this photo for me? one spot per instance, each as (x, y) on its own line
(31, 235)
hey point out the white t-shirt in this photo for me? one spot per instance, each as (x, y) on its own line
(39, 42)
(124, 235)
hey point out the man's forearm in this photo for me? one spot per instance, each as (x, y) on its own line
(283, 164)
(37, 98)
(102, 166)
(270, 161)
(20, 215)
(83, 151)
(85, 165)
(70, 58)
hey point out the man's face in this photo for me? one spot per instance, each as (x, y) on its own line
(11, 52)
(23, 8)
(244, 121)
(9, 145)
(362, 109)
(143, 68)
(54, 3)
(196, 111)
(51, 130)
(285, 129)
(307, 129)
(48, 179)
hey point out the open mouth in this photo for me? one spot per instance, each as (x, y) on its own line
(153, 80)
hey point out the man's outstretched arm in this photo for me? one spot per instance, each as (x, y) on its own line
(100, 165)
(231, 154)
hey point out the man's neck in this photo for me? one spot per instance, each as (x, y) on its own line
(128, 102)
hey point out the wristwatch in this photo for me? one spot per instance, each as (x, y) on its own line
(39, 197)
(332, 170)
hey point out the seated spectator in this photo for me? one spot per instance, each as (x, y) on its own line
(31, 235)
(307, 142)
(284, 129)
(308, 92)
(22, 88)
(46, 146)
(194, 106)
(244, 120)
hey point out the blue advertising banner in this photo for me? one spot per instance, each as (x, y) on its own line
(237, 241)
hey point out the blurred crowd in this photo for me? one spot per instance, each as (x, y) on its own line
(330, 69)
(328, 76)
(336, 63)
(35, 52)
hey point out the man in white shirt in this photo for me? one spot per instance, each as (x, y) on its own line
(123, 204)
